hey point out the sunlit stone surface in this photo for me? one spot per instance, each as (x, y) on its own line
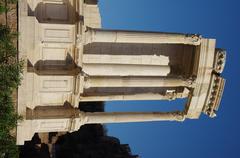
(70, 59)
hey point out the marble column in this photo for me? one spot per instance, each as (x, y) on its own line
(49, 119)
(135, 82)
(144, 96)
(63, 119)
(125, 70)
(112, 36)
(125, 65)
(121, 117)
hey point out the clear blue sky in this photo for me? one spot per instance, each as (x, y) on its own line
(208, 138)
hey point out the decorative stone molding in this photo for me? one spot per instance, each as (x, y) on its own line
(220, 60)
(214, 96)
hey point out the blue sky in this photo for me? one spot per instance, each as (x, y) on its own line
(219, 137)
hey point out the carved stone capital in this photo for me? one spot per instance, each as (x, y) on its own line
(214, 96)
(220, 60)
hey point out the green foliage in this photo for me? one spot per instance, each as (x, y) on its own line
(4, 8)
(10, 68)
(10, 77)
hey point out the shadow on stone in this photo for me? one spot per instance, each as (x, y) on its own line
(90, 141)
(55, 13)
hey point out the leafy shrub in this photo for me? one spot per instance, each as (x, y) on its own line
(10, 77)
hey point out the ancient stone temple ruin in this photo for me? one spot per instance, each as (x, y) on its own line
(71, 60)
